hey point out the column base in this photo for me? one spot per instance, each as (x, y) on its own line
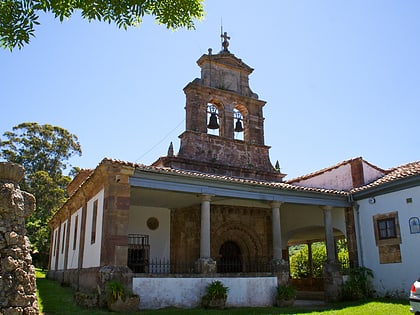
(333, 281)
(280, 268)
(205, 266)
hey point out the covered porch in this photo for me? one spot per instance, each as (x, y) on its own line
(184, 226)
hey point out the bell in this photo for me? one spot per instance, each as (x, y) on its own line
(238, 126)
(213, 124)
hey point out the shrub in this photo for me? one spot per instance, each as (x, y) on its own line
(359, 285)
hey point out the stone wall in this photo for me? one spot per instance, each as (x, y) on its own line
(17, 274)
(248, 227)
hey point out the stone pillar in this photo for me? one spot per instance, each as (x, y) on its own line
(279, 266)
(205, 227)
(205, 264)
(275, 221)
(333, 280)
(17, 274)
(329, 233)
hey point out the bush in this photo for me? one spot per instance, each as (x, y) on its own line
(359, 285)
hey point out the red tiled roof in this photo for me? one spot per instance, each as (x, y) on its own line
(393, 174)
(330, 168)
(196, 174)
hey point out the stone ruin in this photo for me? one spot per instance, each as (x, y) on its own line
(17, 274)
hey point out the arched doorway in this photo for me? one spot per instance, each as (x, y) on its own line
(230, 258)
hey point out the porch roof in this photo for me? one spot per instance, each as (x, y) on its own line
(183, 181)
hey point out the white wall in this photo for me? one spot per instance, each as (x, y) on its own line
(73, 257)
(160, 239)
(92, 251)
(337, 178)
(54, 250)
(62, 245)
(187, 292)
(395, 277)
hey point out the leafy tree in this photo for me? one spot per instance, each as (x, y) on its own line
(299, 262)
(44, 151)
(18, 18)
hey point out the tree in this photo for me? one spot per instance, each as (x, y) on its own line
(18, 18)
(44, 151)
(299, 260)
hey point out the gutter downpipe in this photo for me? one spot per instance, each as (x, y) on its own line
(356, 207)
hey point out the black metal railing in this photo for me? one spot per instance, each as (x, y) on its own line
(138, 253)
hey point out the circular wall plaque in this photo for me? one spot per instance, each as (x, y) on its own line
(152, 223)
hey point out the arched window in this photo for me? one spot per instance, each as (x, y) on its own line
(213, 126)
(238, 124)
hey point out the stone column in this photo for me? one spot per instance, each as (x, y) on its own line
(275, 222)
(17, 274)
(279, 266)
(329, 233)
(205, 264)
(205, 227)
(333, 280)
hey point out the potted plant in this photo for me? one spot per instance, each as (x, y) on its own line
(119, 299)
(286, 295)
(216, 295)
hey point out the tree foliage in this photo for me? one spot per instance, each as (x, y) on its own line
(299, 260)
(44, 151)
(18, 18)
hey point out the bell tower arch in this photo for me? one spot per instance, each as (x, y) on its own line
(224, 131)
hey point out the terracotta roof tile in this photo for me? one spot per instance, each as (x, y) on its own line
(330, 168)
(196, 174)
(394, 174)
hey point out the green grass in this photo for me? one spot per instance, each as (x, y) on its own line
(55, 299)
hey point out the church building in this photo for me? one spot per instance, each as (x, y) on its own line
(219, 208)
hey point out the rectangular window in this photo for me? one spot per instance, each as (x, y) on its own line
(386, 228)
(55, 242)
(76, 221)
(94, 219)
(64, 238)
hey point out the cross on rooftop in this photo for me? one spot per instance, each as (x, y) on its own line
(225, 43)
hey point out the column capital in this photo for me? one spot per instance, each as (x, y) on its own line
(276, 204)
(326, 208)
(206, 197)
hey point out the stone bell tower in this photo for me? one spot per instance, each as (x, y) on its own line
(224, 122)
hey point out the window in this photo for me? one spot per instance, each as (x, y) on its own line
(238, 126)
(55, 242)
(76, 221)
(94, 219)
(64, 238)
(213, 118)
(388, 237)
(386, 228)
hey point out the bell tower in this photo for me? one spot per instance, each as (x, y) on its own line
(224, 122)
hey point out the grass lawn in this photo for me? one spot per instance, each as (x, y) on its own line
(55, 299)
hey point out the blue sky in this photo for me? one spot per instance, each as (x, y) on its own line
(340, 78)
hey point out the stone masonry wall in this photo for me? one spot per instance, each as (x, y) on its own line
(248, 227)
(17, 274)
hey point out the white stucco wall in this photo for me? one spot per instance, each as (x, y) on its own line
(160, 239)
(92, 251)
(337, 178)
(54, 250)
(187, 292)
(394, 278)
(73, 256)
(62, 245)
(370, 173)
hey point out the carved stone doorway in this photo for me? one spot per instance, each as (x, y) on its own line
(230, 258)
